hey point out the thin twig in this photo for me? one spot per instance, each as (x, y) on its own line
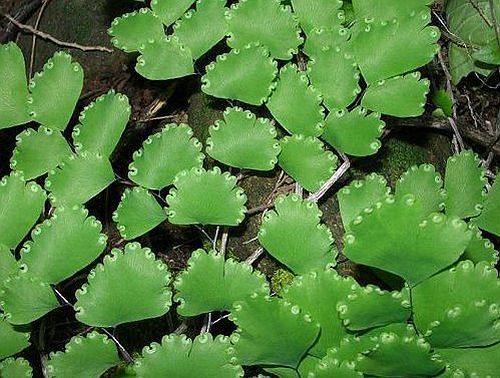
(156, 118)
(223, 241)
(33, 39)
(254, 256)
(299, 190)
(454, 127)
(206, 327)
(122, 349)
(124, 352)
(259, 209)
(53, 39)
(250, 240)
(221, 318)
(315, 197)
(216, 236)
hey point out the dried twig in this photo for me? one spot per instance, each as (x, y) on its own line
(33, 39)
(122, 349)
(315, 197)
(48, 37)
(223, 241)
(254, 256)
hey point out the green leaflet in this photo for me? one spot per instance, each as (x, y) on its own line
(267, 22)
(164, 58)
(33, 161)
(84, 357)
(282, 235)
(329, 366)
(200, 30)
(480, 249)
(133, 30)
(464, 184)
(318, 293)
(388, 9)
(13, 339)
(458, 308)
(21, 204)
(15, 368)
(206, 197)
(355, 133)
(246, 75)
(204, 354)
(399, 355)
(392, 236)
(469, 362)
(14, 89)
(369, 307)
(271, 332)
(242, 140)
(8, 264)
(359, 195)
(60, 82)
(443, 102)
(469, 25)
(324, 38)
(102, 124)
(462, 63)
(334, 72)
(295, 104)
(165, 154)
(377, 45)
(79, 178)
(318, 13)
(130, 285)
(400, 96)
(489, 218)
(352, 347)
(137, 213)
(306, 160)
(63, 244)
(426, 185)
(170, 10)
(25, 298)
(212, 284)
(489, 54)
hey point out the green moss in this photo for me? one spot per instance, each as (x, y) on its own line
(203, 111)
(401, 152)
(280, 280)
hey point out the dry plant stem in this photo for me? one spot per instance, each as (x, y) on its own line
(161, 118)
(299, 190)
(216, 236)
(451, 120)
(48, 37)
(206, 327)
(33, 39)
(122, 349)
(254, 256)
(454, 127)
(181, 328)
(449, 34)
(223, 242)
(315, 197)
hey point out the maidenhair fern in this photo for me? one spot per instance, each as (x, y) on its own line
(323, 71)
